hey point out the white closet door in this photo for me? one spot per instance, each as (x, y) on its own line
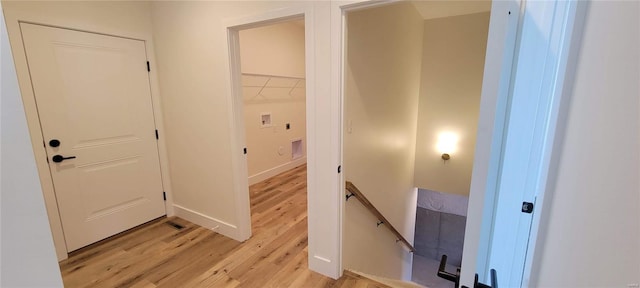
(93, 96)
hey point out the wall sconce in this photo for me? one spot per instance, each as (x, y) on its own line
(447, 144)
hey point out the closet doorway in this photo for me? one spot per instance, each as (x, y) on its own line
(272, 66)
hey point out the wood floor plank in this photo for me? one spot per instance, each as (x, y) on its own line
(132, 267)
(196, 263)
(173, 252)
(285, 276)
(143, 284)
(252, 272)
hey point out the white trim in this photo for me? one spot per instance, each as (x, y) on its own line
(339, 9)
(238, 142)
(337, 88)
(265, 18)
(493, 104)
(338, 54)
(253, 179)
(214, 224)
(322, 258)
(159, 123)
(508, 236)
(542, 59)
(324, 217)
(567, 42)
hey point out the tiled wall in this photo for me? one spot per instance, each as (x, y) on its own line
(439, 233)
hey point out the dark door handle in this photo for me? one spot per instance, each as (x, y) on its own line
(494, 281)
(455, 278)
(60, 158)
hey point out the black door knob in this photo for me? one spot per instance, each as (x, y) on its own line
(60, 158)
(54, 143)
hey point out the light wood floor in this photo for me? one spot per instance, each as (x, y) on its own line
(172, 252)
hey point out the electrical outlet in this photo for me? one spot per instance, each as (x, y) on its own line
(288, 126)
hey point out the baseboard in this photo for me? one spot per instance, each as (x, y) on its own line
(323, 266)
(214, 224)
(264, 175)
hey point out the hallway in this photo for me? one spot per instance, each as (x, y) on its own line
(172, 252)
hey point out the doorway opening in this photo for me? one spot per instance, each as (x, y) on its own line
(268, 70)
(413, 75)
(273, 97)
(273, 94)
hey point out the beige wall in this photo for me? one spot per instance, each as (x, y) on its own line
(590, 233)
(452, 68)
(382, 82)
(193, 73)
(273, 51)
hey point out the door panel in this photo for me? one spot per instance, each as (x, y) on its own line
(541, 57)
(92, 93)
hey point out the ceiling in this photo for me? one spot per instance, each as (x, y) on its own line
(430, 9)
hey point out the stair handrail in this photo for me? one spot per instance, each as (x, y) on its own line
(355, 192)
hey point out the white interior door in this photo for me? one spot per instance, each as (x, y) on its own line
(93, 96)
(542, 56)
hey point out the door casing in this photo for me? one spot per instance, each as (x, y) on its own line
(317, 261)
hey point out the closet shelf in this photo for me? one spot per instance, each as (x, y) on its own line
(263, 81)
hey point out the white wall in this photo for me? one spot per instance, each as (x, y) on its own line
(27, 255)
(382, 83)
(590, 233)
(274, 51)
(128, 19)
(452, 68)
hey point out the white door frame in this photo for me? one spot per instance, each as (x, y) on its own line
(236, 117)
(339, 9)
(495, 90)
(546, 41)
(237, 127)
(35, 129)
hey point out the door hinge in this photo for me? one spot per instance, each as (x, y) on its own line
(339, 168)
(164, 196)
(245, 150)
(148, 67)
(157, 137)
